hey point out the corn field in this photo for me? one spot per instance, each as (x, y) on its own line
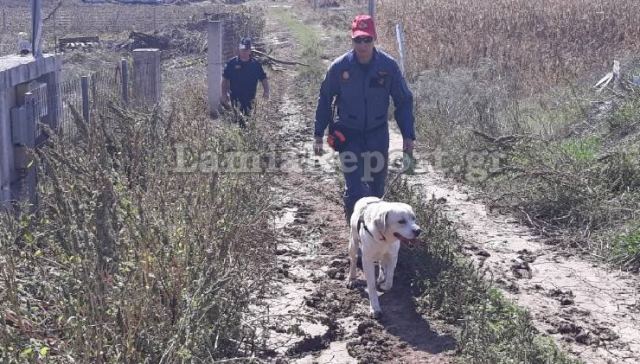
(539, 41)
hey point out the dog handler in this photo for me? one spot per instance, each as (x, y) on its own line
(360, 83)
(240, 79)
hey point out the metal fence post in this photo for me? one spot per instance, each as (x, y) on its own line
(84, 84)
(400, 39)
(4, 20)
(124, 65)
(372, 8)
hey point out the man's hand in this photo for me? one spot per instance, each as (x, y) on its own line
(318, 148)
(224, 99)
(409, 162)
(407, 146)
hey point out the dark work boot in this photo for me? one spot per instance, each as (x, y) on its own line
(347, 213)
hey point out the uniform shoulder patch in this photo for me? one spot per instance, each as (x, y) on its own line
(345, 75)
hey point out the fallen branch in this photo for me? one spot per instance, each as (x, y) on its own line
(505, 141)
(614, 76)
(290, 63)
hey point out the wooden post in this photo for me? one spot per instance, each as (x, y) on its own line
(124, 67)
(4, 20)
(84, 84)
(372, 8)
(315, 4)
(214, 68)
(400, 39)
(146, 76)
(96, 104)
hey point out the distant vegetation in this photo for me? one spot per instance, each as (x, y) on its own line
(535, 41)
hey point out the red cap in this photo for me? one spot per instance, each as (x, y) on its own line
(362, 26)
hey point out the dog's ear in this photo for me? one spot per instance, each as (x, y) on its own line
(380, 221)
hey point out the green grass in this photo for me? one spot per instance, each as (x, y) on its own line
(626, 246)
(304, 35)
(629, 242)
(309, 48)
(626, 116)
(582, 150)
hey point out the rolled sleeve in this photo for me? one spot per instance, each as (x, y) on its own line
(328, 90)
(403, 102)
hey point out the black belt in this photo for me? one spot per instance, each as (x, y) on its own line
(350, 131)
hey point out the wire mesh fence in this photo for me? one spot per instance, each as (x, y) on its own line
(105, 87)
(71, 94)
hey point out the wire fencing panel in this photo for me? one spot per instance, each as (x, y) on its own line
(71, 91)
(41, 109)
(104, 89)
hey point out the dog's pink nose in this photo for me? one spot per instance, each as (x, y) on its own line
(417, 232)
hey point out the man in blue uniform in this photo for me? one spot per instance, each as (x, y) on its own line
(240, 79)
(362, 81)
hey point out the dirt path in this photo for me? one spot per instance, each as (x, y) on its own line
(592, 312)
(314, 317)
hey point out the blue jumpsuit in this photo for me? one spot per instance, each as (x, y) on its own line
(243, 78)
(362, 96)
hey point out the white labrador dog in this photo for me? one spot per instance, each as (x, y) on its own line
(377, 227)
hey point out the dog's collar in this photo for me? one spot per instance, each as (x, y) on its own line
(362, 224)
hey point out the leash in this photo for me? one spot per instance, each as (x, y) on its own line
(391, 182)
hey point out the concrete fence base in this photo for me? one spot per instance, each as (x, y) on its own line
(215, 66)
(29, 95)
(146, 76)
